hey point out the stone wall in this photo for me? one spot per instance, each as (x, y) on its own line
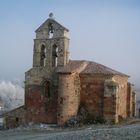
(14, 118)
(110, 102)
(68, 97)
(105, 96)
(59, 38)
(92, 93)
(40, 104)
(131, 101)
(51, 47)
(121, 100)
(36, 75)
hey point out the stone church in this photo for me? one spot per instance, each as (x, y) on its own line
(56, 87)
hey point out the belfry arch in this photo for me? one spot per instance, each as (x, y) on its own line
(50, 30)
(54, 55)
(42, 55)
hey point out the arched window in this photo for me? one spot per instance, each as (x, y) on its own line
(43, 55)
(50, 30)
(46, 88)
(54, 55)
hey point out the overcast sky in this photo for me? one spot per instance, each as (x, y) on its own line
(105, 31)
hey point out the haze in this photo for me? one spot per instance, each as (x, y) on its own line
(105, 31)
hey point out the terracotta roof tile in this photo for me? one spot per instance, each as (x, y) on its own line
(88, 67)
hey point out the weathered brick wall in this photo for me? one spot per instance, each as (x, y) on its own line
(15, 118)
(121, 99)
(111, 105)
(109, 109)
(68, 97)
(110, 95)
(92, 93)
(40, 108)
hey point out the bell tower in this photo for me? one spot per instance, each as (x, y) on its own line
(51, 45)
(41, 81)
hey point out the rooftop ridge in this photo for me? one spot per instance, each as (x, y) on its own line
(82, 67)
(88, 67)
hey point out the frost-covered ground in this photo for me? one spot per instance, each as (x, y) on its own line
(92, 132)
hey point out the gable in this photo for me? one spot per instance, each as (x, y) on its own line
(55, 24)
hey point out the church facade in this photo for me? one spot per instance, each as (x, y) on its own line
(57, 87)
